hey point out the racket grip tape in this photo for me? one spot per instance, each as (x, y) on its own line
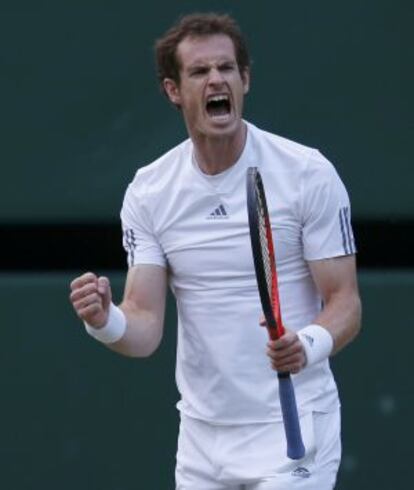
(295, 447)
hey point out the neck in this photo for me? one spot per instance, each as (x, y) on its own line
(217, 154)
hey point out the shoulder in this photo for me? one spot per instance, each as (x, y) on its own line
(284, 157)
(279, 146)
(158, 175)
(305, 159)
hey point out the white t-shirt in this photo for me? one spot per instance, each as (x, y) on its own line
(177, 217)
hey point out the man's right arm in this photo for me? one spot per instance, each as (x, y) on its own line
(143, 306)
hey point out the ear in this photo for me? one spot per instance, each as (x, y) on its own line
(246, 80)
(172, 90)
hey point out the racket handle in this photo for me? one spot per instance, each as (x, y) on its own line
(295, 447)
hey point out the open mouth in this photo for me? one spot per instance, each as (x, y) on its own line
(218, 105)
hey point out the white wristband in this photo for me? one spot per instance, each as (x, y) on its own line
(317, 342)
(113, 330)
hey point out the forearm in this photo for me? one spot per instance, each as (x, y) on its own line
(341, 316)
(142, 335)
(144, 308)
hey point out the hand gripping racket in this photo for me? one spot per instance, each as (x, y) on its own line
(266, 275)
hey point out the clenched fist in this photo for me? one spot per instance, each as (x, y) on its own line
(91, 297)
(287, 354)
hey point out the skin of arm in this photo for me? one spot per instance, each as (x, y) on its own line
(336, 281)
(143, 305)
(144, 308)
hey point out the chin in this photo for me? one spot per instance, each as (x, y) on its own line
(227, 128)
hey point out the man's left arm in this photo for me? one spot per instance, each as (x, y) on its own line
(336, 280)
(335, 326)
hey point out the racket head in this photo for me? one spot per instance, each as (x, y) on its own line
(263, 252)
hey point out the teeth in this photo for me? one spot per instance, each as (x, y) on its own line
(217, 98)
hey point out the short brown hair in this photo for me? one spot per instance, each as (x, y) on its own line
(197, 25)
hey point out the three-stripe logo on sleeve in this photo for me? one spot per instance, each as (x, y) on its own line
(348, 241)
(130, 243)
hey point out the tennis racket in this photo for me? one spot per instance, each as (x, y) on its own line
(266, 275)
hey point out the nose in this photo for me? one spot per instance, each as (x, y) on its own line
(215, 77)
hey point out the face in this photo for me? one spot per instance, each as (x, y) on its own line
(211, 88)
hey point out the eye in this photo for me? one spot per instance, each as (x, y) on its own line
(227, 67)
(198, 71)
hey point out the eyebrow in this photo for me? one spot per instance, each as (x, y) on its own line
(205, 64)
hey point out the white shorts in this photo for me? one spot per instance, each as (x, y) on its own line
(253, 457)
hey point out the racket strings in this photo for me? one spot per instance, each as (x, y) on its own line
(268, 254)
(265, 245)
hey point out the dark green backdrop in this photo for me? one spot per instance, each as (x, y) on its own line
(75, 415)
(80, 111)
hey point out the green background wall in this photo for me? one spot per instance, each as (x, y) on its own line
(80, 111)
(75, 415)
(81, 108)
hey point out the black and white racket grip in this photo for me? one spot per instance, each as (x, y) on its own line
(295, 447)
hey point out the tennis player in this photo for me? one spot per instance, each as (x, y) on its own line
(185, 225)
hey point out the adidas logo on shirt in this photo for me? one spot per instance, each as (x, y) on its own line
(219, 213)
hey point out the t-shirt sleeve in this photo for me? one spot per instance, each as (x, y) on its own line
(326, 212)
(139, 240)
